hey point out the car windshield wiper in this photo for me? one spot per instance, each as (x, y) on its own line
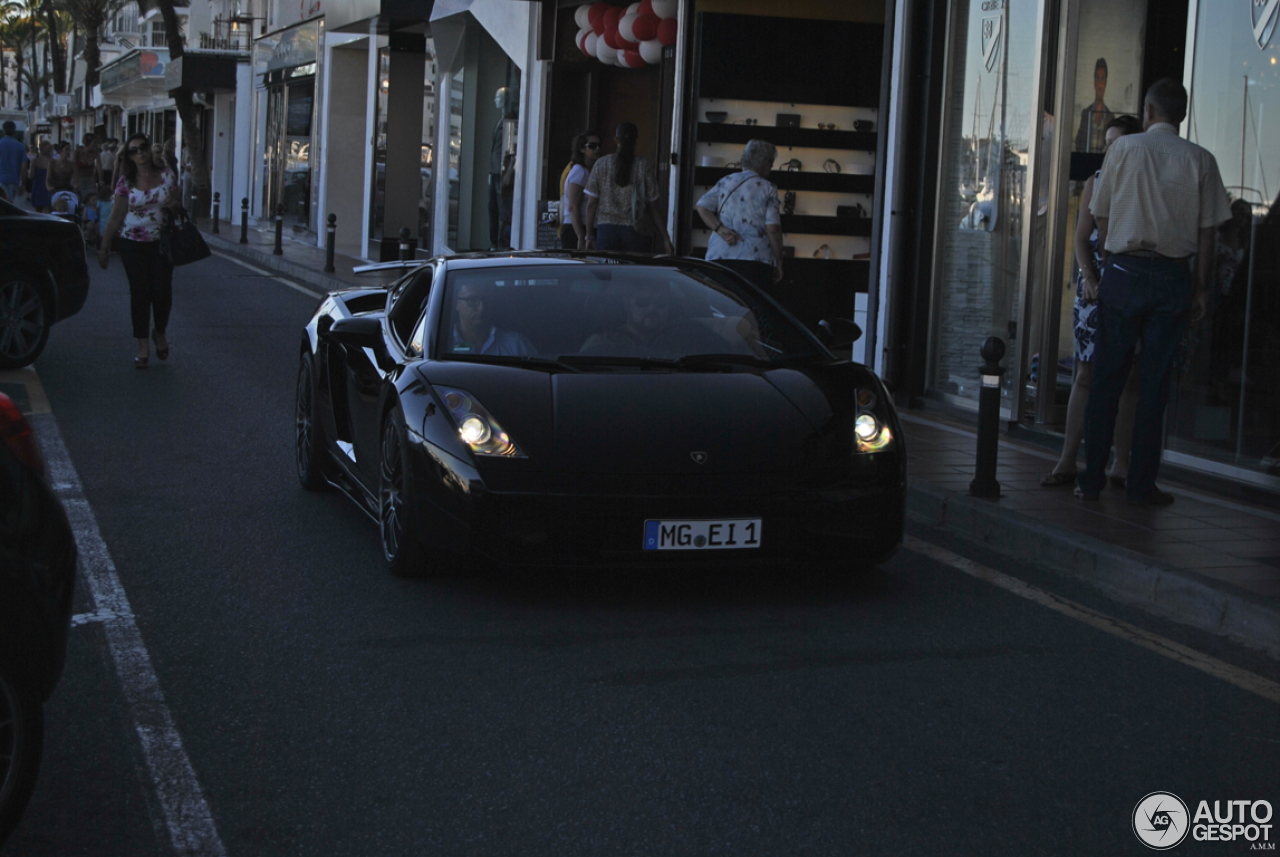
(687, 362)
(529, 361)
(609, 360)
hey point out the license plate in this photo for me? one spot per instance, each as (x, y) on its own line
(732, 534)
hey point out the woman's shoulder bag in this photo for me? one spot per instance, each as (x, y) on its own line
(180, 240)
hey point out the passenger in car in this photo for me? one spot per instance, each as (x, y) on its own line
(472, 332)
(647, 313)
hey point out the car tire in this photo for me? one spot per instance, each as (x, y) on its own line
(21, 743)
(25, 317)
(308, 432)
(403, 550)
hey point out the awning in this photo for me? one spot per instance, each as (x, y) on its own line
(201, 71)
(137, 74)
(506, 21)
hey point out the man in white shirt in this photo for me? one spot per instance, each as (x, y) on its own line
(1157, 203)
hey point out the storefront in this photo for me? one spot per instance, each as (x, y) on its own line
(286, 65)
(134, 85)
(1028, 88)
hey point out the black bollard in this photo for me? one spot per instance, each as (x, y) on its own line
(244, 220)
(404, 244)
(984, 482)
(330, 231)
(278, 250)
(216, 211)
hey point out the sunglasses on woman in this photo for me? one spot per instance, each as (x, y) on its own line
(133, 150)
(591, 146)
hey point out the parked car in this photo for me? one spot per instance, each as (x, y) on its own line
(44, 279)
(722, 430)
(37, 576)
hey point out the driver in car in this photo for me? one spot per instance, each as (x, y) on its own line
(472, 333)
(647, 308)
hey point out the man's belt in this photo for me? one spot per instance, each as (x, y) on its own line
(1152, 254)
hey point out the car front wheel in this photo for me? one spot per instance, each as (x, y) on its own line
(21, 742)
(401, 546)
(24, 321)
(308, 436)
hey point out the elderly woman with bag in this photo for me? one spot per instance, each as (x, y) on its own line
(621, 196)
(145, 190)
(742, 213)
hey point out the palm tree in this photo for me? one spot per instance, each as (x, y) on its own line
(90, 16)
(15, 35)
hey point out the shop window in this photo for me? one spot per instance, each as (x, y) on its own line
(1225, 403)
(983, 194)
(484, 98)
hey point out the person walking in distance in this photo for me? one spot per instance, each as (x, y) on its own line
(1157, 202)
(13, 162)
(742, 213)
(145, 190)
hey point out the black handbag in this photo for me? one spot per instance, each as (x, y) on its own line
(181, 242)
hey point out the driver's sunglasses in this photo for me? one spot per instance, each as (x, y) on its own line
(646, 301)
(474, 302)
(591, 146)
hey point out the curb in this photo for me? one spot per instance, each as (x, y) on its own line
(269, 260)
(1126, 575)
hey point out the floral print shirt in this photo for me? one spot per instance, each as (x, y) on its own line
(748, 204)
(142, 220)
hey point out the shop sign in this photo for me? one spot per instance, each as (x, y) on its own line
(44, 128)
(992, 33)
(1264, 20)
(137, 66)
(295, 46)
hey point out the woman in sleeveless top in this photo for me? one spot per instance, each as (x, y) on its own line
(145, 191)
(1085, 328)
(41, 198)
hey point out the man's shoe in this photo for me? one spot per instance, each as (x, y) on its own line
(1155, 498)
(1087, 496)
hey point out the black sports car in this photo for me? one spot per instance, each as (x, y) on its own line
(584, 408)
(44, 278)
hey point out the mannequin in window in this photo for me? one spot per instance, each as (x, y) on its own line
(500, 162)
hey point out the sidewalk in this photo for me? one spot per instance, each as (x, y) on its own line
(1208, 561)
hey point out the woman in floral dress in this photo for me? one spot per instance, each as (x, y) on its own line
(1085, 327)
(146, 188)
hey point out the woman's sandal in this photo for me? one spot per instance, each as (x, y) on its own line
(140, 362)
(1119, 482)
(1058, 480)
(162, 353)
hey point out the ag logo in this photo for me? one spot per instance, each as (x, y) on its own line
(1160, 819)
(698, 457)
(1264, 20)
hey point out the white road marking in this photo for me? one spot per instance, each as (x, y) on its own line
(1243, 679)
(269, 275)
(35, 393)
(186, 815)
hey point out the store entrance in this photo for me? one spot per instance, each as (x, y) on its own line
(288, 151)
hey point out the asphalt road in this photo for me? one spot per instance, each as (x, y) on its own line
(330, 709)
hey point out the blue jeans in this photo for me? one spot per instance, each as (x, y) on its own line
(611, 236)
(1139, 300)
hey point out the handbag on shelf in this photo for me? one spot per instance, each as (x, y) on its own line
(180, 240)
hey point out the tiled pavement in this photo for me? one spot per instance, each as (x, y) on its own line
(1226, 540)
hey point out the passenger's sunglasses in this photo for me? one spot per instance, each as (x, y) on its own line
(646, 301)
(591, 146)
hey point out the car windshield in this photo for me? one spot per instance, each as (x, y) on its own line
(604, 315)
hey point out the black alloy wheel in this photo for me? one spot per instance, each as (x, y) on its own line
(308, 436)
(21, 743)
(401, 548)
(24, 320)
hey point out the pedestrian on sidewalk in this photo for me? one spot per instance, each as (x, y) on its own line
(1158, 202)
(573, 199)
(41, 199)
(1085, 327)
(621, 200)
(145, 192)
(13, 162)
(742, 213)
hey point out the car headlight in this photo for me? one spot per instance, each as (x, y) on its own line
(870, 432)
(476, 426)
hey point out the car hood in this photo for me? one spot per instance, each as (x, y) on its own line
(648, 422)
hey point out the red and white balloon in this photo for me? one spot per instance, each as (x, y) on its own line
(629, 37)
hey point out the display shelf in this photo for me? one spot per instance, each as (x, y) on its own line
(808, 224)
(851, 272)
(813, 138)
(826, 182)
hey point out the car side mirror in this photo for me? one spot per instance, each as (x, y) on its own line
(362, 332)
(839, 332)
